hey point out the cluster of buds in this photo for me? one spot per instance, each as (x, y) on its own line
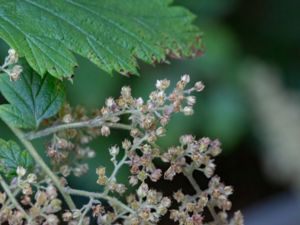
(68, 148)
(192, 155)
(144, 158)
(74, 216)
(149, 205)
(9, 66)
(219, 194)
(148, 124)
(191, 208)
(40, 199)
(197, 155)
(149, 117)
(142, 166)
(102, 178)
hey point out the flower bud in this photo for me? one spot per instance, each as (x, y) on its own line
(160, 131)
(67, 216)
(12, 56)
(114, 151)
(51, 192)
(21, 171)
(191, 100)
(31, 178)
(143, 190)
(199, 86)
(155, 175)
(105, 131)
(185, 78)
(188, 111)
(41, 198)
(162, 84)
(67, 118)
(15, 72)
(52, 220)
(126, 92)
(2, 198)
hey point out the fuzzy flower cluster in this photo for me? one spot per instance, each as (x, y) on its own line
(70, 146)
(135, 202)
(40, 199)
(191, 156)
(10, 66)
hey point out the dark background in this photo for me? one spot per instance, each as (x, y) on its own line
(251, 102)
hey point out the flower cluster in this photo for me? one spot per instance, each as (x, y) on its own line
(68, 149)
(39, 198)
(10, 66)
(191, 156)
(69, 146)
(200, 152)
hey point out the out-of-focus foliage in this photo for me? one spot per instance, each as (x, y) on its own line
(209, 9)
(277, 111)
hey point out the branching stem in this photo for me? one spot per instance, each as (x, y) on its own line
(123, 160)
(97, 195)
(89, 123)
(116, 170)
(12, 198)
(189, 176)
(95, 122)
(35, 155)
(86, 210)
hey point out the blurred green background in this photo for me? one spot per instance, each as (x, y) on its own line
(247, 43)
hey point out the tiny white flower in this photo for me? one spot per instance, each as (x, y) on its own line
(114, 151)
(188, 111)
(21, 171)
(185, 78)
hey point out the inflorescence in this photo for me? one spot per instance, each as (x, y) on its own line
(38, 200)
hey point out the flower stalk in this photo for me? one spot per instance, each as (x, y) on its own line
(13, 200)
(38, 159)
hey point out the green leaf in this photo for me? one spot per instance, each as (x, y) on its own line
(32, 98)
(113, 34)
(11, 156)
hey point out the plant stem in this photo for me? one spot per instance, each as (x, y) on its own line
(86, 210)
(123, 160)
(97, 195)
(89, 123)
(189, 176)
(15, 193)
(35, 155)
(13, 199)
(95, 122)
(116, 170)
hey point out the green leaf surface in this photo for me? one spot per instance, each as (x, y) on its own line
(32, 98)
(11, 156)
(113, 34)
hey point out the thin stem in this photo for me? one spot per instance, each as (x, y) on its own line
(95, 122)
(15, 193)
(123, 160)
(35, 155)
(116, 170)
(13, 199)
(97, 195)
(189, 176)
(86, 210)
(118, 167)
(89, 123)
